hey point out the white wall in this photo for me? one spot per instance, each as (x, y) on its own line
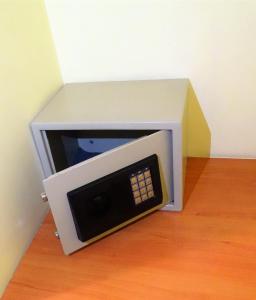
(212, 42)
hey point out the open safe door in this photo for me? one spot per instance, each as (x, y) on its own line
(102, 194)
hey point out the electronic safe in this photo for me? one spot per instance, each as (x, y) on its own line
(112, 152)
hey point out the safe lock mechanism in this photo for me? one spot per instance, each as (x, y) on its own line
(142, 187)
(44, 197)
(108, 202)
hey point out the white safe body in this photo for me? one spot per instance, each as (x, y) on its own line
(150, 105)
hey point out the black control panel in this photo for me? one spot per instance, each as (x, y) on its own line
(113, 199)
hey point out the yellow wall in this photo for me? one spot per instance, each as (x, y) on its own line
(198, 132)
(29, 74)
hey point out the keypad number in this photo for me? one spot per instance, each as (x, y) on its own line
(141, 185)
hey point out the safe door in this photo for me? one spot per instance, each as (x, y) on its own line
(102, 194)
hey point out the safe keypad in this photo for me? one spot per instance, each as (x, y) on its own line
(141, 184)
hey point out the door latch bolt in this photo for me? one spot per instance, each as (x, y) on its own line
(56, 234)
(44, 197)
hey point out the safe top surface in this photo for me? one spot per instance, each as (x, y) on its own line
(125, 102)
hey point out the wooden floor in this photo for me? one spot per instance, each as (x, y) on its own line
(206, 252)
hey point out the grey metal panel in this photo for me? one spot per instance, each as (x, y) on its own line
(177, 171)
(41, 150)
(48, 151)
(124, 102)
(57, 185)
